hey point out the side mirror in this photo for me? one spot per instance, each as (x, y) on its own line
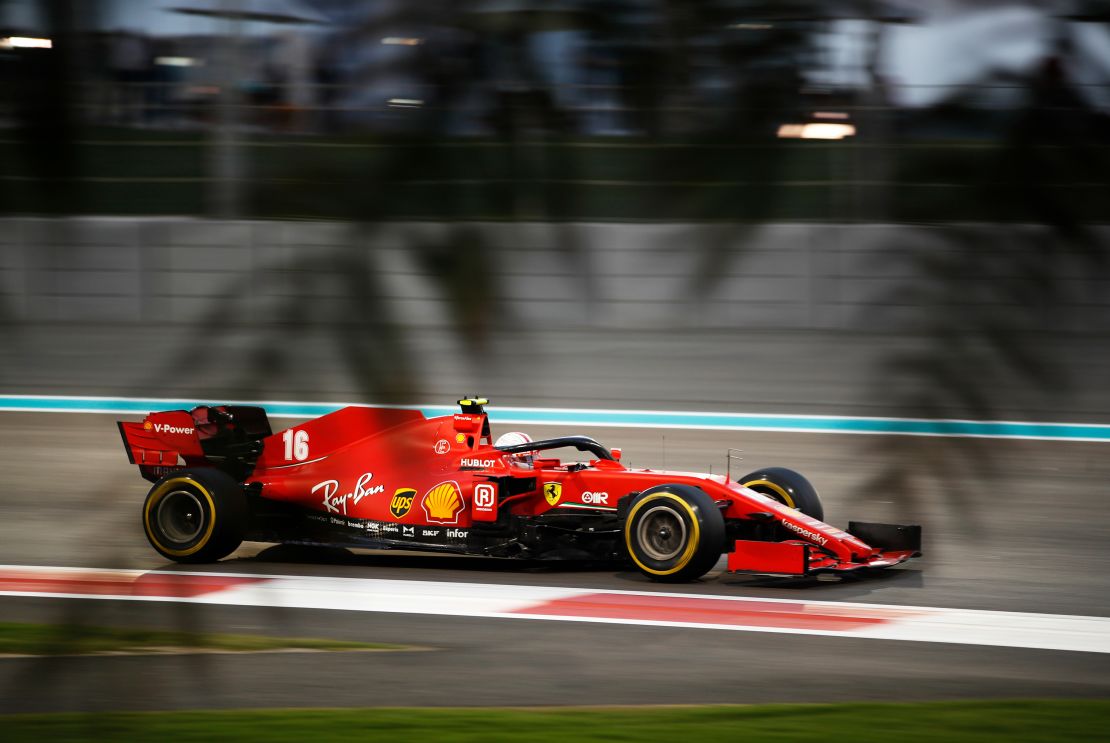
(616, 454)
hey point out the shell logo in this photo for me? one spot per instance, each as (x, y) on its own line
(443, 503)
(148, 426)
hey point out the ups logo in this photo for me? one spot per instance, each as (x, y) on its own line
(402, 502)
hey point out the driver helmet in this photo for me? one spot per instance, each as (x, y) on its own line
(512, 438)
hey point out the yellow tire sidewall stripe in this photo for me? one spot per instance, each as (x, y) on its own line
(160, 493)
(782, 492)
(691, 545)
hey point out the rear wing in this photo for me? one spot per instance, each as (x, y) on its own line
(228, 437)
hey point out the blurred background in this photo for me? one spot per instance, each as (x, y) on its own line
(831, 207)
(850, 207)
(842, 207)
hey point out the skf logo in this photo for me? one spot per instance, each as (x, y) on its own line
(595, 497)
(402, 502)
(552, 491)
(443, 503)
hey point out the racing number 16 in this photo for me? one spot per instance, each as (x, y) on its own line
(296, 445)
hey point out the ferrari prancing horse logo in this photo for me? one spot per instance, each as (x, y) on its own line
(552, 491)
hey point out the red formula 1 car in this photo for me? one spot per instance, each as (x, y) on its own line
(389, 478)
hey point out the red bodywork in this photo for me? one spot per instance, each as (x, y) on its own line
(398, 476)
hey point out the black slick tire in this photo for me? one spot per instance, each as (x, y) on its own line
(787, 487)
(195, 515)
(674, 533)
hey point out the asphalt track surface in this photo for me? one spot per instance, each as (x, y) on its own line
(1016, 526)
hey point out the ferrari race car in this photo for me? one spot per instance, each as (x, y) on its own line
(389, 478)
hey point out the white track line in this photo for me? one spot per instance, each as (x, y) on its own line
(734, 613)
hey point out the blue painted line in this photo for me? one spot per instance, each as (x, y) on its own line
(921, 427)
(624, 418)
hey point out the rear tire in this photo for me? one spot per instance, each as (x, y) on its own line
(787, 487)
(674, 533)
(195, 515)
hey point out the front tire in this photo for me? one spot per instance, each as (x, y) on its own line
(195, 515)
(787, 487)
(674, 533)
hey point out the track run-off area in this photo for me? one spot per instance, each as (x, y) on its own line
(503, 601)
(1011, 598)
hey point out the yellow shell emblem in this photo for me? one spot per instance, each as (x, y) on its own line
(552, 491)
(443, 503)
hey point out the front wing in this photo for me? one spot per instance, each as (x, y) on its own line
(894, 544)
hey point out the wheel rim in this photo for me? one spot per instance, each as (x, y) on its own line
(180, 516)
(772, 490)
(661, 533)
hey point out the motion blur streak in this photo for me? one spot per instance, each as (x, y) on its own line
(613, 418)
(826, 618)
(584, 211)
(19, 580)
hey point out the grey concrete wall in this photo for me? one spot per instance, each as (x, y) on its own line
(631, 276)
(961, 321)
